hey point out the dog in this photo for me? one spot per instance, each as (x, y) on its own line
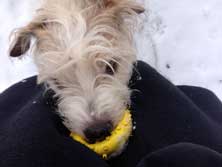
(84, 51)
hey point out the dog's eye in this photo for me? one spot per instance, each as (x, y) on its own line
(111, 68)
(57, 84)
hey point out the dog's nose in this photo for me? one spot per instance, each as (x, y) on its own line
(98, 132)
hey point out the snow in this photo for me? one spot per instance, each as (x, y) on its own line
(184, 39)
(181, 39)
(14, 14)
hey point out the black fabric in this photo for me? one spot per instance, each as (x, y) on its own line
(175, 127)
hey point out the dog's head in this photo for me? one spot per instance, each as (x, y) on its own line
(84, 51)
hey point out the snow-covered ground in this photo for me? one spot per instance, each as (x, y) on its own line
(13, 14)
(181, 38)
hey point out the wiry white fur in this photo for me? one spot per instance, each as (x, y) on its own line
(75, 41)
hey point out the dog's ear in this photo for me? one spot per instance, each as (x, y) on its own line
(22, 39)
(21, 44)
(138, 9)
(131, 4)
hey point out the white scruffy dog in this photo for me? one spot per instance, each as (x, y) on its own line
(84, 51)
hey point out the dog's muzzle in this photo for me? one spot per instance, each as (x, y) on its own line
(98, 132)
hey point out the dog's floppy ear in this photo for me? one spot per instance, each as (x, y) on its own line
(21, 44)
(136, 7)
(22, 39)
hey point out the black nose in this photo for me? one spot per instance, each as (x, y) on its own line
(98, 131)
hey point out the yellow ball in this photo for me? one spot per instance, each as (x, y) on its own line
(113, 143)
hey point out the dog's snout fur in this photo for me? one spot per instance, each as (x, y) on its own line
(84, 51)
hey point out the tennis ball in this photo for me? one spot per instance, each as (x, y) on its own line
(113, 143)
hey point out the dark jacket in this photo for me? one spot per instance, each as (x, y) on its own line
(176, 126)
